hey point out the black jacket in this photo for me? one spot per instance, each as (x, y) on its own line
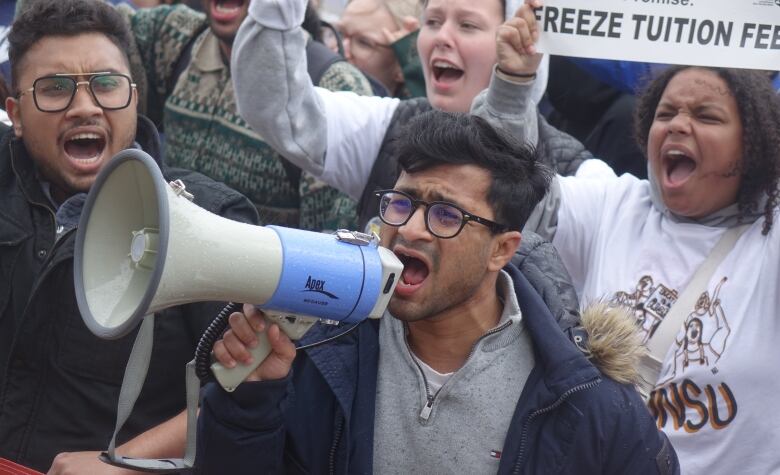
(59, 384)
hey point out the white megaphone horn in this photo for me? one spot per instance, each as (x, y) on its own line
(143, 246)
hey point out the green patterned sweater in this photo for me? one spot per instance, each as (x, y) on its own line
(203, 131)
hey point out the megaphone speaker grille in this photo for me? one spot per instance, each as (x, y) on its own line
(121, 244)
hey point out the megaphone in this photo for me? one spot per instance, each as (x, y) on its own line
(143, 246)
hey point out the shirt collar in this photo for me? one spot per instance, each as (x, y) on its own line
(207, 56)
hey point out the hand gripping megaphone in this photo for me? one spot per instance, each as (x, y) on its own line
(143, 246)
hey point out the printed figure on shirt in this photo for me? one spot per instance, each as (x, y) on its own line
(702, 339)
(649, 303)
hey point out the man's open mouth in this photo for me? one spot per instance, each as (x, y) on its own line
(678, 166)
(85, 146)
(446, 72)
(414, 274)
(226, 9)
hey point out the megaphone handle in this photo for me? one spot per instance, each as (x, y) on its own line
(230, 378)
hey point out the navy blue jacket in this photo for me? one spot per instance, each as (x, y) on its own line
(569, 418)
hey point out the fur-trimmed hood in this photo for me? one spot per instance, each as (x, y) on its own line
(613, 343)
(606, 335)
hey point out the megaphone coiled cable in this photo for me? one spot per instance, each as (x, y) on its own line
(206, 343)
(218, 326)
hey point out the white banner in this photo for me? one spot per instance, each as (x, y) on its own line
(729, 33)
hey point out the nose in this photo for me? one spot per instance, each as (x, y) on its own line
(443, 37)
(415, 228)
(680, 123)
(83, 104)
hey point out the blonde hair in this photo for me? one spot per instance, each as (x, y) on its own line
(400, 9)
(510, 7)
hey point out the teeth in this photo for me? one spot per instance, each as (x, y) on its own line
(223, 9)
(89, 160)
(675, 152)
(442, 64)
(85, 136)
(92, 159)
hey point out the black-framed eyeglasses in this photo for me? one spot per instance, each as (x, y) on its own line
(442, 219)
(55, 93)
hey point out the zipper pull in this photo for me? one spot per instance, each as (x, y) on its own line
(426, 410)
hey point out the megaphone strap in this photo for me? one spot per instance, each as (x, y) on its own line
(132, 383)
(135, 375)
(193, 395)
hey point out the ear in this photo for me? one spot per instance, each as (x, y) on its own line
(504, 247)
(12, 107)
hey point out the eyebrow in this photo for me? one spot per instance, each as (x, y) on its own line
(87, 73)
(434, 196)
(460, 13)
(75, 75)
(704, 105)
(428, 10)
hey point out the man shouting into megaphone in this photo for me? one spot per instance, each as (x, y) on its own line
(74, 107)
(468, 371)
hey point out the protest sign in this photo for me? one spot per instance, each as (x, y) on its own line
(742, 34)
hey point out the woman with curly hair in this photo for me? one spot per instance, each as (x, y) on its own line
(756, 170)
(712, 141)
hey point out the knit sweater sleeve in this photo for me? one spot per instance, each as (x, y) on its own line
(342, 76)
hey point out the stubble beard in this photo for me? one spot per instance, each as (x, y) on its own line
(457, 292)
(440, 296)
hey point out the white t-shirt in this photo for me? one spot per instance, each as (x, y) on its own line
(435, 379)
(719, 384)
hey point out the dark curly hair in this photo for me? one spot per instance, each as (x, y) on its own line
(520, 179)
(759, 110)
(42, 18)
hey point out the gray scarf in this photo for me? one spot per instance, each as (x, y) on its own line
(727, 217)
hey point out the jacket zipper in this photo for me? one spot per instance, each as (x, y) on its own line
(24, 189)
(428, 408)
(538, 412)
(487, 334)
(46, 268)
(58, 239)
(334, 447)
